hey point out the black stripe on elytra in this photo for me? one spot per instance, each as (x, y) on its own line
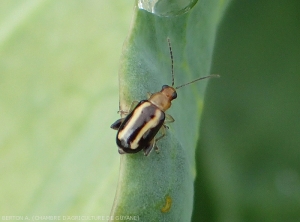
(143, 119)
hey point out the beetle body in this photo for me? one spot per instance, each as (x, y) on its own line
(138, 129)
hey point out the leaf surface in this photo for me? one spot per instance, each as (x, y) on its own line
(160, 187)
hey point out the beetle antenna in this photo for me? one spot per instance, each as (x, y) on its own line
(205, 77)
(171, 54)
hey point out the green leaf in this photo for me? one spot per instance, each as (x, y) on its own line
(159, 187)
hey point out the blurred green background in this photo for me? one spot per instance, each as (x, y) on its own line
(249, 153)
(59, 95)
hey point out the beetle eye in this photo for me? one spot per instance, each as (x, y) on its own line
(164, 87)
(174, 95)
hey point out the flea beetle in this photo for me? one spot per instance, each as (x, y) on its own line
(138, 129)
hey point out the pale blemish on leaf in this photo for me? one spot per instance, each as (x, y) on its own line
(168, 204)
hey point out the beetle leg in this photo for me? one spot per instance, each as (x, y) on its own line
(121, 151)
(117, 124)
(122, 112)
(162, 131)
(149, 95)
(169, 119)
(150, 146)
(132, 106)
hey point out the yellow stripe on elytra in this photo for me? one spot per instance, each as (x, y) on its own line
(124, 132)
(151, 124)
